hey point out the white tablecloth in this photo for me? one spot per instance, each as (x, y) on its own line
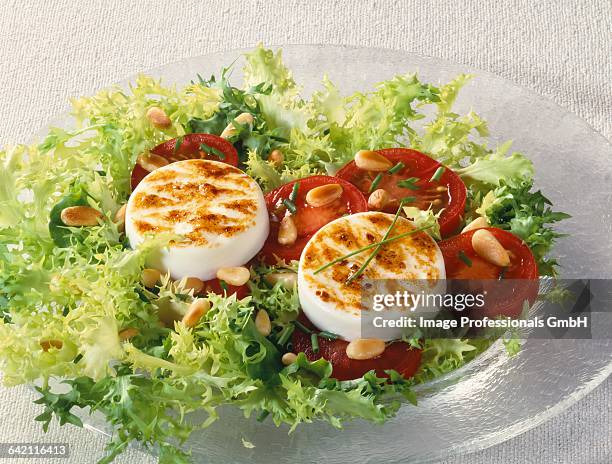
(50, 51)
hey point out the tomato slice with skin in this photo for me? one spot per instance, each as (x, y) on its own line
(189, 148)
(447, 194)
(308, 219)
(521, 275)
(398, 356)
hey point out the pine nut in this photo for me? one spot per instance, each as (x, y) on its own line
(441, 188)
(371, 161)
(150, 277)
(79, 216)
(120, 218)
(262, 322)
(287, 232)
(378, 199)
(193, 283)
(477, 223)
(365, 348)
(197, 309)
(235, 276)
(488, 248)
(128, 333)
(46, 345)
(276, 157)
(150, 162)
(158, 117)
(287, 279)
(288, 358)
(242, 119)
(324, 195)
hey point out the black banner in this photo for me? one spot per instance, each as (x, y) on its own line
(545, 309)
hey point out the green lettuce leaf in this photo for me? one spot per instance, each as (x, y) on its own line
(120, 130)
(496, 168)
(443, 355)
(100, 346)
(263, 171)
(265, 66)
(527, 214)
(371, 120)
(261, 356)
(424, 219)
(320, 368)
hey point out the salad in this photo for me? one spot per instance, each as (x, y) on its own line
(184, 248)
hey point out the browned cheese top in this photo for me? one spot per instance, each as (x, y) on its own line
(413, 257)
(198, 199)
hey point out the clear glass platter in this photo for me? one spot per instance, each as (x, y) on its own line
(495, 397)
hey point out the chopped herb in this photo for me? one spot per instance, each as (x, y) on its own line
(408, 199)
(328, 335)
(463, 257)
(263, 415)
(294, 192)
(177, 144)
(438, 174)
(290, 205)
(398, 167)
(314, 341)
(409, 183)
(212, 151)
(375, 182)
(223, 285)
(302, 327)
(377, 249)
(285, 334)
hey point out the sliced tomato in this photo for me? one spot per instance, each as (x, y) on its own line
(398, 356)
(447, 194)
(308, 219)
(190, 146)
(516, 283)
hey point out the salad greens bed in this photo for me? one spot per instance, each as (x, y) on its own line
(82, 286)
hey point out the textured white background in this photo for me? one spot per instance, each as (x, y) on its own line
(50, 51)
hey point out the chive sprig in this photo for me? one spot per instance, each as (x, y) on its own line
(369, 247)
(438, 174)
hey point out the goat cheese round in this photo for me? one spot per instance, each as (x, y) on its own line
(218, 210)
(413, 263)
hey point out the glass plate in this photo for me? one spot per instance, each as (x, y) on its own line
(494, 398)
